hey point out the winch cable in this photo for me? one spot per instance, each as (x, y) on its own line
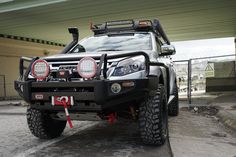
(66, 112)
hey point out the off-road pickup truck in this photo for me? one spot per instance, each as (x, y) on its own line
(122, 71)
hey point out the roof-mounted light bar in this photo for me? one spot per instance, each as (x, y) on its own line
(121, 22)
(130, 25)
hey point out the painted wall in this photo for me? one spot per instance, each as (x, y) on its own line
(10, 52)
(214, 84)
(225, 69)
(224, 79)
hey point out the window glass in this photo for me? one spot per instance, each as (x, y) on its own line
(115, 42)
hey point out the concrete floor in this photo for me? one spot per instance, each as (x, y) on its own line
(195, 135)
(191, 135)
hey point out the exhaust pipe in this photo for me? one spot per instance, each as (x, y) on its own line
(75, 36)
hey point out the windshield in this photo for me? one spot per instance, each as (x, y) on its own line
(115, 42)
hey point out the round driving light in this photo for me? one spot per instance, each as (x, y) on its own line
(87, 67)
(115, 88)
(40, 69)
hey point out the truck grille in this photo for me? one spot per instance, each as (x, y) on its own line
(72, 65)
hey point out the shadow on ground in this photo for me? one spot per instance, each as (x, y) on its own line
(120, 139)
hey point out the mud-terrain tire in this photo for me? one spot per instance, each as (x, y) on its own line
(153, 118)
(43, 126)
(173, 107)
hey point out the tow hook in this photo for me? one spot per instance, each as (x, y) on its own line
(63, 100)
(111, 118)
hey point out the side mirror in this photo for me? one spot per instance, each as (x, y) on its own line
(167, 50)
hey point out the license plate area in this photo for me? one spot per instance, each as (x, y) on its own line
(56, 100)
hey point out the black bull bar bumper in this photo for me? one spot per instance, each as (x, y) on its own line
(93, 92)
(97, 90)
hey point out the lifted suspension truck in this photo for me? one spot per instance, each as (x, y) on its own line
(123, 70)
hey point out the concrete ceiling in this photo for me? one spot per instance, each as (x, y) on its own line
(182, 19)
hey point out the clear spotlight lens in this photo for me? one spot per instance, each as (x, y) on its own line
(40, 69)
(87, 67)
(115, 88)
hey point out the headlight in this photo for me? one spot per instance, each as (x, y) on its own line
(40, 69)
(87, 67)
(129, 66)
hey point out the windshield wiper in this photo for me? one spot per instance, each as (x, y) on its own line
(109, 50)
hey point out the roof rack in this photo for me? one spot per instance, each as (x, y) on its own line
(131, 25)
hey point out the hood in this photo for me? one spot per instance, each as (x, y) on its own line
(76, 56)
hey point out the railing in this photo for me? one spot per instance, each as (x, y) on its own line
(190, 71)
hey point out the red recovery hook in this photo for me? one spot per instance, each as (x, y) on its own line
(111, 118)
(66, 112)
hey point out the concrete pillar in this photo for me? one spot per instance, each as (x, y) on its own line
(235, 55)
(235, 45)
